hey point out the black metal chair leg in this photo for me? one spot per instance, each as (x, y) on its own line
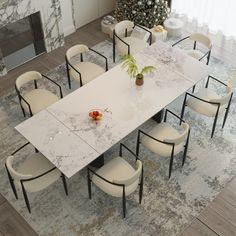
(114, 47)
(89, 186)
(124, 203)
(183, 108)
(12, 184)
(171, 163)
(13, 188)
(26, 198)
(185, 153)
(68, 75)
(64, 183)
(138, 144)
(69, 82)
(225, 117)
(208, 58)
(227, 111)
(214, 126)
(186, 149)
(141, 188)
(114, 53)
(23, 111)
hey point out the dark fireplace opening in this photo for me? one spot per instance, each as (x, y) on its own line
(21, 41)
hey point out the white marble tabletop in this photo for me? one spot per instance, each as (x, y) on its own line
(56, 142)
(181, 62)
(125, 107)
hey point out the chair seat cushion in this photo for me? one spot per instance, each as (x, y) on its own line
(162, 132)
(36, 165)
(88, 70)
(136, 45)
(118, 169)
(38, 99)
(203, 107)
(197, 54)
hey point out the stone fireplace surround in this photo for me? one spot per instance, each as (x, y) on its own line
(50, 11)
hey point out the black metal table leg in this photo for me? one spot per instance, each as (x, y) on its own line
(99, 162)
(159, 116)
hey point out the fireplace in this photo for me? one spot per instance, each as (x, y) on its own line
(22, 41)
(48, 16)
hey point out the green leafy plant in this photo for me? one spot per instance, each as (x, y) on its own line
(130, 63)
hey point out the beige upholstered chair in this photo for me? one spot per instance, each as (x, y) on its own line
(118, 178)
(207, 102)
(203, 53)
(37, 99)
(165, 140)
(125, 40)
(34, 174)
(82, 71)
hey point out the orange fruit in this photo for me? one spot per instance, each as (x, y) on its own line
(95, 113)
(98, 118)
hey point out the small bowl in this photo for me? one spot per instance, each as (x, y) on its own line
(96, 114)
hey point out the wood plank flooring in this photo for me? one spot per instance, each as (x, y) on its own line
(197, 228)
(219, 218)
(11, 222)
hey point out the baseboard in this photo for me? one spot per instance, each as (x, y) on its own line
(69, 30)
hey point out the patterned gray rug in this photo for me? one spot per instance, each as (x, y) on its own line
(168, 205)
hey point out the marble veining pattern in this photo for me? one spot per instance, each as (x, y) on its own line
(130, 105)
(179, 61)
(63, 148)
(11, 11)
(168, 205)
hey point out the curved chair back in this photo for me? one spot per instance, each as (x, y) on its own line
(75, 50)
(134, 177)
(201, 38)
(14, 174)
(27, 77)
(225, 99)
(182, 136)
(121, 27)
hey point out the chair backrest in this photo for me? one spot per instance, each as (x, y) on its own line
(27, 77)
(132, 178)
(182, 136)
(224, 99)
(75, 50)
(121, 27)
(14, 174)
(201, 38)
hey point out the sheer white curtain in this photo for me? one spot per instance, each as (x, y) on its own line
(218, 15)
(215, 18)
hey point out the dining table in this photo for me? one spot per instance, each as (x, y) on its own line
(66, 135)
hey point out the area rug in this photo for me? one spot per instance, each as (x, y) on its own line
(168, 206)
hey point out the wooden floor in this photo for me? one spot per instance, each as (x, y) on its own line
(11, 223)
(219, 218)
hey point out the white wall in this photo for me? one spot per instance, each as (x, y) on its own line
(86, 11)
(67, 17)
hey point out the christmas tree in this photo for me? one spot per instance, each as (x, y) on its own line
(144, 12)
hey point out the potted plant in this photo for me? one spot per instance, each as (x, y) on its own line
(129, 62)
